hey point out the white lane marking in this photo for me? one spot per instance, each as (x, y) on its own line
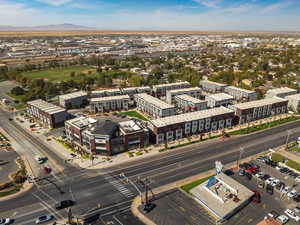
(51, 198)
(27, 222)
(120, 187)
(31, 212)
(118, 220)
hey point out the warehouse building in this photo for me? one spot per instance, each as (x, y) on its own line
(110, 103)
(161, 89)
(241, 94)
(193, 91)
(212, 87)
(294, 102)
(222, 196)
(50, 115)
(73, 100)
(188, 103)
(217, 100)
(187, 124)
(280, 92)
(105, 137)
(250, 111)
(154, 106)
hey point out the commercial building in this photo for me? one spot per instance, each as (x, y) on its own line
(222, 196)
(294, 102)
(50, 115)
(193, 91)
(217, 100)
(250, 111)
(187, 124)
(154, 106)
(280, 92)
(105, 137)
(212, 87)
(188, 103)
(110, 103)
(241, 94)
(73, 100)
(161, 89)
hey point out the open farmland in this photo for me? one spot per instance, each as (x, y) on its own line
(59, 74)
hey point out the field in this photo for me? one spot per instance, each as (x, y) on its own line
(59, 74)
(134, 114)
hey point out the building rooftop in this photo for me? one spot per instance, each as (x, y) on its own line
(110, 98)
(221, 97)
(212, 82)
(81, 122)
(281, 90)
(130, 126)
(240, 89)
(103, 127)
(170, 84)
(184, 90)
(294, 97)
(259, 103)
(73, 95)
(46, 106)
(187, 117)
(189, 98)
(155, 101)
(221, 194)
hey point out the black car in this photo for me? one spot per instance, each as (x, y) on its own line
(284, 170)
(297, 198)
(265, 177)
(64, 204)
(149, 207)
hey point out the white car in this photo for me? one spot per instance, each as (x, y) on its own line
(283, 219)
(278, 167)
(259, 174)
(39, 159)
(297, 179)
(270, 180)
(286, 190)
(292, 193)
(5, 221)
(292, 214)
(275, 182)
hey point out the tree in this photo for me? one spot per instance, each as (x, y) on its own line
(17, 91)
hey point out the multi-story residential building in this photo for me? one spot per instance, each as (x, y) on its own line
(188, 103)
(294, 102)
(193, 91)
(154, 106)
(106, 93)
(50, 115)
(73, 100)
(110, 103)
(187, 124)
(212, 87)
(98, 94)
(220, 99)
(280, 92)
(122, 91)
(241, 94)
(161, 89)
(105, 137)
(254, 110)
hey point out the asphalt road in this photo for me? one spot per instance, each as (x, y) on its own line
(103, 189)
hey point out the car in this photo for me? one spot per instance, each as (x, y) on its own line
(259, 174)
(5, 221)
(275, 182)
(261, 185)
(286, 190)
(297, 198)
(64, 204)
(265, 177)
(280, 186)
(284, 170)
(292, 193)
(297, 209)
(292, 214)
(278, 167)
(282, 219)
(149, 207)
(297, 179)
(47, 169)
(270, 180)
(273, 214)
(241, 172)
(40, 159)
(43, 219)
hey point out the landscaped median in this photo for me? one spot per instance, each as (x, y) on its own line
(190, 186)
(276, 157)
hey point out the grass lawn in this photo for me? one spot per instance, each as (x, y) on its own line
(59, 74)
(134, 114)
(193, 184)
(16, 97)
(6, 193)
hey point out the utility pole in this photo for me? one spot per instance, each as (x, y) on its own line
(240, 156)
(287, 139)
(122, 175)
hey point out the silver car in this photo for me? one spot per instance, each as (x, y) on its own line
(43, 219)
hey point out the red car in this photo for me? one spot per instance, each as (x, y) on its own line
(47, 169)
(256, 197)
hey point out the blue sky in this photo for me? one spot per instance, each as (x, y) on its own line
(260, 15)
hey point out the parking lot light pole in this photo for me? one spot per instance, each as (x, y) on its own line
(240, 157)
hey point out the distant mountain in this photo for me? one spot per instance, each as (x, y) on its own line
(54, 27)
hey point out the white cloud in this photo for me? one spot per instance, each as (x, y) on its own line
(55, 2)
(277, 6)
(209, 3)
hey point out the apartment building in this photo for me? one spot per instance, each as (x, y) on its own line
(122, 91)
(294, 102)
(73, 100)
(154, 106)
(193, 91)
(161, 89)
(110, 103)
(241, 94)
(254, 110)
(187, 124)
(106, 93)
(280, 92)
(188, 103)
(212, 87)
(50, 115)
(105, 137)
(219, 99)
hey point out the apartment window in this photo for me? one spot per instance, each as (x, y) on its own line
(170, 135)
(160, 138)
(178, 133)
(214, 125)
(228, 122)
(221, 124)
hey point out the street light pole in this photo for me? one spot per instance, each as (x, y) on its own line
(240, 156)
(287, 139)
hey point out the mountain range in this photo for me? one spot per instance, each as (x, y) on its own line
(52, 27)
